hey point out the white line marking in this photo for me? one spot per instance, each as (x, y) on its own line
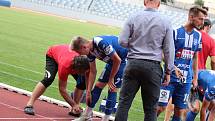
(22, 68)
(17, 76)
(13, 107)
(3, 63)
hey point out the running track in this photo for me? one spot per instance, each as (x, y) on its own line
(12, 104)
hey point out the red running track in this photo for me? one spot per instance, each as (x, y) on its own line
(12, 105)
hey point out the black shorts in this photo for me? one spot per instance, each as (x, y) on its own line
(51, 70)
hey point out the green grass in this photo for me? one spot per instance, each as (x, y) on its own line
(24, 39)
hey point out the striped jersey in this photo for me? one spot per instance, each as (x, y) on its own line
(186, 45)
(104, 47)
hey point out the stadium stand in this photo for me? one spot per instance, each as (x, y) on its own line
(118, 10)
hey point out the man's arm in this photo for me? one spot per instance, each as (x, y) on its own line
(116, 64)
(169, 54)
(212, 62)
(195, 70)
(125, 34)
(90, 81)
(64, 94)
(92, 76)
(205, 105)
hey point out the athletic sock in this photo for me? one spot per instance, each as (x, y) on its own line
(191, 116)
(95, 94)
(110, 102)
(88, 110)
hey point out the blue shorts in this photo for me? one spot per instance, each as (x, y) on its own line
(104, 77)
(178, 92)
(80, 81)
(210, 93)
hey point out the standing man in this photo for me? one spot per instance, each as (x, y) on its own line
(208, 49)
(147, 35)
(188, 42)
(64, 61)
(208, 46)
(108, 50)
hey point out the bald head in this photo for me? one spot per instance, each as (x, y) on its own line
(152, 3)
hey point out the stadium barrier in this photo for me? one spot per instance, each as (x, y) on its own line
(6, 3)
(45, 98)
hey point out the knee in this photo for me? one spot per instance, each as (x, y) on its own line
(195, 109)
(101, 84)
(47, 82)
(161, 109)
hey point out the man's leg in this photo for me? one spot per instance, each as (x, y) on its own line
(127, 93)
(150, 90)
(37, 92)
(112, 94)
(180, 99)
(178, 114)
(169, 110)
(130, 86)
(50, 73)
(110, 104)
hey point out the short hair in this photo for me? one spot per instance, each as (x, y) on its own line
(194, 11)
(206, 8)
(207, 22)
(77, 42)
(80, 63)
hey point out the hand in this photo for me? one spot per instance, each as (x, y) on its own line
(195, 84)
(178, 73)
(88, 97)
(76, 109)
(166, 80)
(111, 85)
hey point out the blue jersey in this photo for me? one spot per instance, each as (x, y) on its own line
(104, 47)
(206, 82)
(186, 45)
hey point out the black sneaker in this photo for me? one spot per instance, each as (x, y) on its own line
(29, 110)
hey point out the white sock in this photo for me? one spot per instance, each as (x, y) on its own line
(106, 118)
(88, 110)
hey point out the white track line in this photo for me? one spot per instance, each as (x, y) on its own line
(48, 99)
(19, 109)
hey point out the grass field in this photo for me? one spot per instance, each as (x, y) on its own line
(24, 39)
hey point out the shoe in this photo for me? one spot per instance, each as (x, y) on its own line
(29, 110)
(105, 118)
(85, 117)
(71, 113)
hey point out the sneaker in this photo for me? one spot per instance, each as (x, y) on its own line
(105, 118)
(75, 114)
(29, 110)
(85, 117)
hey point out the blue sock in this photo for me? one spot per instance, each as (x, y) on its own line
(191, 116)
(176, 118)
(110, 102)
(95, 94)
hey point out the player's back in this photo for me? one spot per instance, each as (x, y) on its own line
(206, 78)
(114, 41)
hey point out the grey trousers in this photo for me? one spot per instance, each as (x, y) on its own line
(138, 73)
